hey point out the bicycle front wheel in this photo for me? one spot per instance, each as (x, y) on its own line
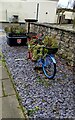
(49, 67)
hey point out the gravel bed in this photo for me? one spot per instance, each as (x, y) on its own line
(41, 97)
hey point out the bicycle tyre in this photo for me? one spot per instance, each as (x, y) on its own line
(48, 64)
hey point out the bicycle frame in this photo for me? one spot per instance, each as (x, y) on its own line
(41, 63)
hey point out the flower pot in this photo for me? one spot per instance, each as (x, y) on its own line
(29, 55)
(16, 40)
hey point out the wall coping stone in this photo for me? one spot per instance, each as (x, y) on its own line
(54, 26)
(12, 22)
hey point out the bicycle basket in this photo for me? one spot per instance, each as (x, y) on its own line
(52, 50)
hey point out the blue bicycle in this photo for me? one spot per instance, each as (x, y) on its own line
(48, 63)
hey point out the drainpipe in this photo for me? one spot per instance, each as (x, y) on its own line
(37, 12)
(6, 15)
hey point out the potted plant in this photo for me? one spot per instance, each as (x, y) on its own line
(16, 35)
(49, 43)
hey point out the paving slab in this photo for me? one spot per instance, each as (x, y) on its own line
(0, 63)
(2, 33)
(0, 72)
(0, 108)
(3, 73)
(8, 87)
(11, 108)
(0, 88)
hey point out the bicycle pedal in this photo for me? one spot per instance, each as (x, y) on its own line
(35, 68)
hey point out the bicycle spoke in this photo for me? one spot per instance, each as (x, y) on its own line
(49, 67)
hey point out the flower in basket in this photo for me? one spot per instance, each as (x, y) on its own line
(50, 42)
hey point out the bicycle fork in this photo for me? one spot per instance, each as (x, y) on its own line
(45, 63)
(52, 57)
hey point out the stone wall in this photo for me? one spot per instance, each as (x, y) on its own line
(66, 40)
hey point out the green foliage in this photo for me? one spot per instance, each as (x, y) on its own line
(50, 41)
(7, 29)
(15, 29)
(32, 111)
(37, 49)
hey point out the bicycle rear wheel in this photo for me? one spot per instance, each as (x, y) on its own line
(49, 67)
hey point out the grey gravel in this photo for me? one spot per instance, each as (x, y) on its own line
(44, 98)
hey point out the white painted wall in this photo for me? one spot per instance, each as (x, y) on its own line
(50, 8)
(24, 10)
(0, 11)
(69, 15)
(24, 0)
(27, 9)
